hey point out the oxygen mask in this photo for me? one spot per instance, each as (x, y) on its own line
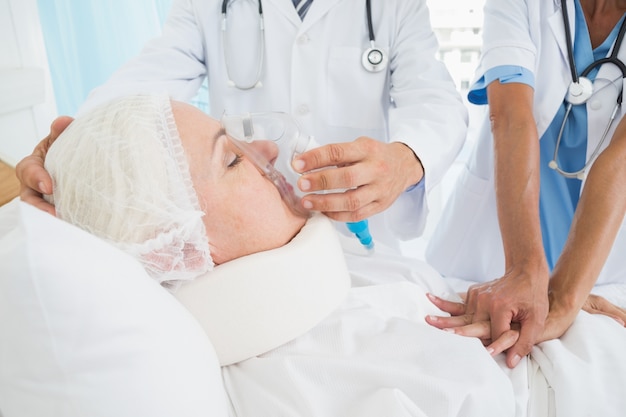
(271, 141)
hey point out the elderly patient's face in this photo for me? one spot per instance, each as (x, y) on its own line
(244, 211)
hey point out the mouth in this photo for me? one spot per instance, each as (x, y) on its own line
(286, 192)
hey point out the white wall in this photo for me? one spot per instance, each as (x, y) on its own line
(26, 98)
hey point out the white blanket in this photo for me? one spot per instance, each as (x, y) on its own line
(375, 356)
(579, 375)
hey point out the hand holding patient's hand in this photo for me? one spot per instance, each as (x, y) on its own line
(513, 308)
(557, 322)
(462, 324)
(520, 297)
(374, 174)
(34, 180)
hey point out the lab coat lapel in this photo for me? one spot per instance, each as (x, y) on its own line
(287, 9)
(558, 27)
(318, 9)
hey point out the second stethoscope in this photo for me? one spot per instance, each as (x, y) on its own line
(373, 59)
(581, 89)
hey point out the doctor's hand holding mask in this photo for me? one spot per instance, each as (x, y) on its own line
(363, 82)
(541, 207)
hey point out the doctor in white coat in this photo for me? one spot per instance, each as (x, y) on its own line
(544, 238)
(395, 129)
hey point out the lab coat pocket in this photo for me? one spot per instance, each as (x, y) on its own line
(356, 96)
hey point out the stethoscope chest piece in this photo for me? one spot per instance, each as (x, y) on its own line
(581, 89)
(579, 92)
(374, 59)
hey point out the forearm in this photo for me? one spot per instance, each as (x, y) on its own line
(597, 220)
(517, 178)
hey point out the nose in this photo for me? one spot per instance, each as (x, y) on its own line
(267, 148)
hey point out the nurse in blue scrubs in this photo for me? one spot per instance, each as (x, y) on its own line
(537, 218)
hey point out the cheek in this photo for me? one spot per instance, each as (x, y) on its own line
(246, 215)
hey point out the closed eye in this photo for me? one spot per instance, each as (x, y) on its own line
(236, 161)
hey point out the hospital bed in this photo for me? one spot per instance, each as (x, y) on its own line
(84, 332)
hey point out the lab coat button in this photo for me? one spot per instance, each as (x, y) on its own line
(595, 104)
(303, 109)
(303, 39)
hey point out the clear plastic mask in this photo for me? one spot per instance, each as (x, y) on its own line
(271, 141)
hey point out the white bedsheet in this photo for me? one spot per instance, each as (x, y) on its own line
(581, 374)
(376, 357)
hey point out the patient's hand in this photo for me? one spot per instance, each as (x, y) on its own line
(600, 305)
(34, 180)
(462, 324)
(519, 297)
(556, 322)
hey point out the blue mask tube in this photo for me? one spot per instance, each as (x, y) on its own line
(362, 231)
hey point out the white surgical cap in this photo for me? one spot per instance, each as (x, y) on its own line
(120, 172)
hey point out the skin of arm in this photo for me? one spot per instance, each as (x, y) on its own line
(597, 220)
(520, 296)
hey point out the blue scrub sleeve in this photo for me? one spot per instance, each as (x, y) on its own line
(420, 185)
(506, 74)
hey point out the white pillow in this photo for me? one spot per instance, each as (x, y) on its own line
(85, 332)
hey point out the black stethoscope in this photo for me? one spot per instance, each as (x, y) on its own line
(374, 59)
(581, 89)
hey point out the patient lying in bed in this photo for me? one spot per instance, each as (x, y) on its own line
(302, 324)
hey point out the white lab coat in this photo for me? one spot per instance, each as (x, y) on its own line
(467, 241)
(312, 69)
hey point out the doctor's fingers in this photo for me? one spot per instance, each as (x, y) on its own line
(336, 178)
(531, 329)
(35, 198)
(336, 154)
(348, 206)
(504, 342)
(34, 180)
(478, 301)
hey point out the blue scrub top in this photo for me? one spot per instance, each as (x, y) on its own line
(558, 195)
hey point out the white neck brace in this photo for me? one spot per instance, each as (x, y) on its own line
(254, 304)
